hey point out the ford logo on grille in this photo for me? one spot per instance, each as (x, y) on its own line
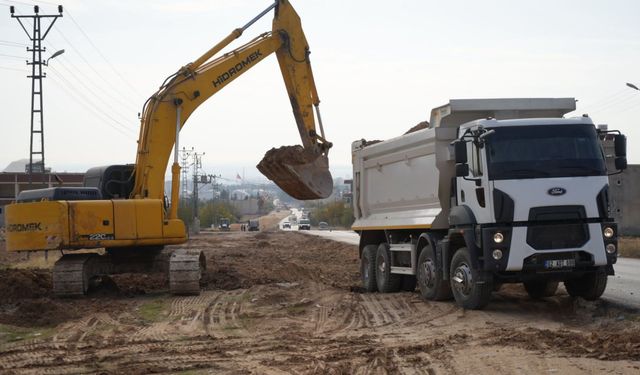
(556, 191)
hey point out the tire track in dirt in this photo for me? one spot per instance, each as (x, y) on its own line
(184, 318)
(223, 314)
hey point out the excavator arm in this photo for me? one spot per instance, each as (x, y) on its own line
(300, 171)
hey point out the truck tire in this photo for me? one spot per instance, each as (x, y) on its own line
(540, 288)
(432, 286)
(590, 286)
(368, 268)
(471, 288)
(387, 282)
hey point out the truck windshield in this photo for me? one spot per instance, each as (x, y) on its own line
(517, 152)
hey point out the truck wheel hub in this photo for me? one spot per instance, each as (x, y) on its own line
(462, 279)
(428, 270)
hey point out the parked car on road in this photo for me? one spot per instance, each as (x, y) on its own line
(323, 226)
(286, 225)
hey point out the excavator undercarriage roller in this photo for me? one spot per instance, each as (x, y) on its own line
(302, 174)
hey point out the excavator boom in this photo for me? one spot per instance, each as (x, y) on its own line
(300, 171)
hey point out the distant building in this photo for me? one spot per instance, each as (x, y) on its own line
(624, 200)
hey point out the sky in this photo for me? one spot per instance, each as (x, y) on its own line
(380, 66)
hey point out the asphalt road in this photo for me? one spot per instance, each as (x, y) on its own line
(622, 289)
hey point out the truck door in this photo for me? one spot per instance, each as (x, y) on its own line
(474, 190)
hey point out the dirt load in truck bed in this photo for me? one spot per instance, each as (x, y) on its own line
(283, 302)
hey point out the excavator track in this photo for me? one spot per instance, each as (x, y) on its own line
(185, 271)
(72, 274)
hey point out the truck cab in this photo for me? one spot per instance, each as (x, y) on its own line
(536, 193)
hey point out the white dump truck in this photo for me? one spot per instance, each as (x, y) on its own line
(494, 191)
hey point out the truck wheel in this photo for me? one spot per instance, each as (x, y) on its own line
(368, 268)
(471, 289)
(387, 282)
(432, 286)
(540, 288)
(590, 286)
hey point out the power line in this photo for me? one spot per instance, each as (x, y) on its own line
(84, 59)
(9, 43)
(607, 100)
(12, 56)
(103, 56)
(86, 36)
(88, 78)
(99, 116)
(90, 90)
(15, 69)
(91, 103)
(18, 2)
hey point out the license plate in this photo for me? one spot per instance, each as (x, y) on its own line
(559, 263)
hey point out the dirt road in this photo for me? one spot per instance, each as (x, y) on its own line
(282, 302)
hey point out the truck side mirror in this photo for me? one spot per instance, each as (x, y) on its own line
(620, 146)
(621, 162)
(462, 170)
(460, 150)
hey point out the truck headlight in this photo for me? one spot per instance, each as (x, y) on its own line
(608, 232)
(497, 254)
(611, 248)
(498, 237)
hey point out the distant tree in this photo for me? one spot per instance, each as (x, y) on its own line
(211, 212)
(336, 213)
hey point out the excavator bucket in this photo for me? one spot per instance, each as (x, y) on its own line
(302, 174)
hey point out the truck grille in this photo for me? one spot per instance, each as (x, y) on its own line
(557, 227)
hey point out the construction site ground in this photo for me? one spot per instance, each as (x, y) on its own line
(283, 302)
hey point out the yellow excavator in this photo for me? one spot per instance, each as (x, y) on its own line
(123, 208)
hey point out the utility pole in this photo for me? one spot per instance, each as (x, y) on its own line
(197, 165)
(184, 168)
(214, 185)
(37, 116)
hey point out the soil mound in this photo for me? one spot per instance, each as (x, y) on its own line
(18, 284)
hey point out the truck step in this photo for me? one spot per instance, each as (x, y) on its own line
(402, 247)
(403, 270)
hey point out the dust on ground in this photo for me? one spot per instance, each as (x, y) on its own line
(629, 247)
(283, 302)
